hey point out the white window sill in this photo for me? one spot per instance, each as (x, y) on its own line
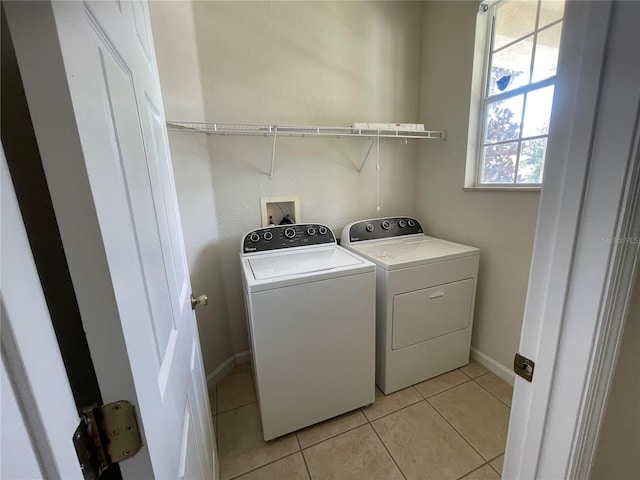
(487, 188)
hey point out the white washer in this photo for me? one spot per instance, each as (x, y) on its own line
(424, 300)
(311, 321)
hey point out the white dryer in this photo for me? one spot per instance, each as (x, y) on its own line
(311, 321)
(424, 300)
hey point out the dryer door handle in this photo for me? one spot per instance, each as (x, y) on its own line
(436, 295)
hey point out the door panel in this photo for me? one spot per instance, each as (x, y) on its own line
(126, 136)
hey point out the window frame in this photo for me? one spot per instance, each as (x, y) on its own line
(489, 9)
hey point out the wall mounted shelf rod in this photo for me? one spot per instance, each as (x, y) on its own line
(273, 153)
(366, 155)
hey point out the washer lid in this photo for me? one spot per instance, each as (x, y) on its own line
(413, 251)
(299, 263)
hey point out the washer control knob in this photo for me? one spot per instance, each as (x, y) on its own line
(311, 231)
(369, 227)
(322, 230)
(254, 237)
(386, 225)
(412, 223)
(402, 223)
(267, 236)
(289, 232)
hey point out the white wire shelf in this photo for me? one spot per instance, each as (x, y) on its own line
(305, 131)
(301, 131)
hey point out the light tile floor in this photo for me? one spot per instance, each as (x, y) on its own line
(450, 427)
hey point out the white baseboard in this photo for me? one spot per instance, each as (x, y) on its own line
(494, 366)
(225, 367)
(243, 357)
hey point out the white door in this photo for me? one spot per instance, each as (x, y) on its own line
(92, 87)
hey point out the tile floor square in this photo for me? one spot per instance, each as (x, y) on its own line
(424, 445)
(385, 404)
(474, 369)
(241, 447)
(237, 389)
(330, 428)
(355, 455)
(288, 468)
(483, 473)
(477, 415)
(496, 386)
(443, 382)
(497, 464)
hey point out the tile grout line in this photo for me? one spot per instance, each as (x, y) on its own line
(265, 465)
(394, 411)
(445, 390)
(493, 460)
(455, 430)
(332, 436)
(238, 406)
(304, 459)
(387, 450)
(492, 394)
(474, 470)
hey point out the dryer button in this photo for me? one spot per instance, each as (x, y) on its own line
(369, 227)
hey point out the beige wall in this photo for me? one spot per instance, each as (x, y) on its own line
(618, 452)
(501, 224)
(309, 63)
(331, 63)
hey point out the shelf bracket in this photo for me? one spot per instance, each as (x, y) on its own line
(273, 152)
(366, 156)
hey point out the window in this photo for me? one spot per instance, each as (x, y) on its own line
(517, 95)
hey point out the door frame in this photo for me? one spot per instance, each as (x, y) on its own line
(584, 259)
(30, 353)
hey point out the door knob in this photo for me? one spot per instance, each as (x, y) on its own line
(201, 300)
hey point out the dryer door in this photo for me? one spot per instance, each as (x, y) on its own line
(431, 312)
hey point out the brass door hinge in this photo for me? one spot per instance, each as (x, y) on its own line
(106, 435)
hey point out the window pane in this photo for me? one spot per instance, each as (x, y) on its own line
(514, 20)
(532, 153)
(498, 163)
(538, 112)
(550, 11)
(503, 120)
(510, 68)
(547, 48)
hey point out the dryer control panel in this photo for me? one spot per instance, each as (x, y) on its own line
(287, 236)
(379, 228)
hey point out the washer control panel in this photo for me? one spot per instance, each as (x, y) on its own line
(287, 236)
(378, 228)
